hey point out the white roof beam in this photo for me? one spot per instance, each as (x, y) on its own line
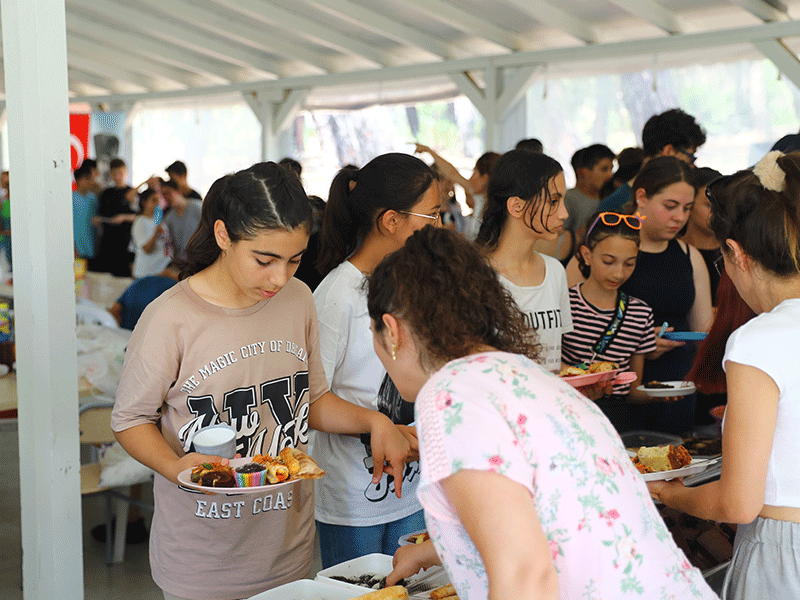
(552, 16)
(389, 27)
(652, 12)
(287, 110)
(766, 10)
(112, 85)
(132, 62)
(782, 57)
(174, 55)
(514, 88)
(88, 64)
(468, 22)
(254, 37)
(475, 93)
(167, 31)
(267, 12)
(572, 54)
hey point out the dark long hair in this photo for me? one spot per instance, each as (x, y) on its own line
(597, 234)
(658, 173)
(452, 299)
(765, 223)
(519, 173)
(265, 196)
(358, 198)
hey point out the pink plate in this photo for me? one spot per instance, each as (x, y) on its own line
(590, 378)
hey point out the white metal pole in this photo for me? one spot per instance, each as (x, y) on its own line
(34, 53)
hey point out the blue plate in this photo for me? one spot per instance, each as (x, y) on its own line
(685, 336)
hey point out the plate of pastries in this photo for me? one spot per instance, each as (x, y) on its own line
(250, 475)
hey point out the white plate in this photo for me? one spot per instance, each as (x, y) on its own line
(698, 465)
(677, 388)
(185, 477)
(405, 539)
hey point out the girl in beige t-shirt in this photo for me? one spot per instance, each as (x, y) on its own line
(236, 342)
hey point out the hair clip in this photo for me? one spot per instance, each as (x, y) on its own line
(769, 172)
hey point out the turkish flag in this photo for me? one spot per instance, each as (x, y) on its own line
(79, 139)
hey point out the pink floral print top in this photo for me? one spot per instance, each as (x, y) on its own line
(504, 413)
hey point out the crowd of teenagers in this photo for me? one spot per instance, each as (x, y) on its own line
(422, 371)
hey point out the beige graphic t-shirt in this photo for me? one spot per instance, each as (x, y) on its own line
(191, 364)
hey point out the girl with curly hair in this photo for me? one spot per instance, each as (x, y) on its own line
(527, 489)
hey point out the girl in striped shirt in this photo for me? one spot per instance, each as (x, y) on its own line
(608, 324)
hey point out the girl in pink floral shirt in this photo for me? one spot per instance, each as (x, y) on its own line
(527, 489)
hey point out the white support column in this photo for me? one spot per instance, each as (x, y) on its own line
(515, 84)
(35, 61)
(275, 112)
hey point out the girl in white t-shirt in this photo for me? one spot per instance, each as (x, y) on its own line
(236, 342)
(149, 241)
(756, 218)
(525, 204)
(370, 213)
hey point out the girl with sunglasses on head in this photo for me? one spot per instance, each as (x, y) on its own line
(525, 204)
(610, 325)
(527, 489)
(370, 213)
(671, 277)
(236, 341)
(756, 219)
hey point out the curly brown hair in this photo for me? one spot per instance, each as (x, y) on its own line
(442, 286)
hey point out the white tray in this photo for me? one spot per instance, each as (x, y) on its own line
(306, 589)
(379, 565)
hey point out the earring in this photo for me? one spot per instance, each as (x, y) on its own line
(394, 351)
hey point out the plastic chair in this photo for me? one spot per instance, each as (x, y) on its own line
(87, 311)
(95, 428)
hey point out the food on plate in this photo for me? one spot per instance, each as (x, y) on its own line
(419, 538)
(656, 385)
(291, 464)
(598, 367)
(602, 367)
(250, 475)
(653, 459)
(289, 460)
(369, 580)
(395, 592)
(213, 474)
(570, 371)
(446, 592)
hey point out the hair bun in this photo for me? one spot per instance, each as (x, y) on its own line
(769, 172)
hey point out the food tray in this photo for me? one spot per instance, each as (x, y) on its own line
(306, 589)
(379, 565)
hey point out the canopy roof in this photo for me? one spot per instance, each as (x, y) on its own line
(345, 53)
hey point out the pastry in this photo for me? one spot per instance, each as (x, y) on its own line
(602, 367)
(395, 592)
(656, 385)
(570, 371)
(447, 591)
(213, 475)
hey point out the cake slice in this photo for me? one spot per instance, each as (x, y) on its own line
(663, 458)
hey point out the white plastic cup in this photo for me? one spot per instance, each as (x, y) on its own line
(216, 440)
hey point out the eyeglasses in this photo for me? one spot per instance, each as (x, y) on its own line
(435, 219)
(687, 154)
(719, 264)
(612, 219)
(716, 183)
